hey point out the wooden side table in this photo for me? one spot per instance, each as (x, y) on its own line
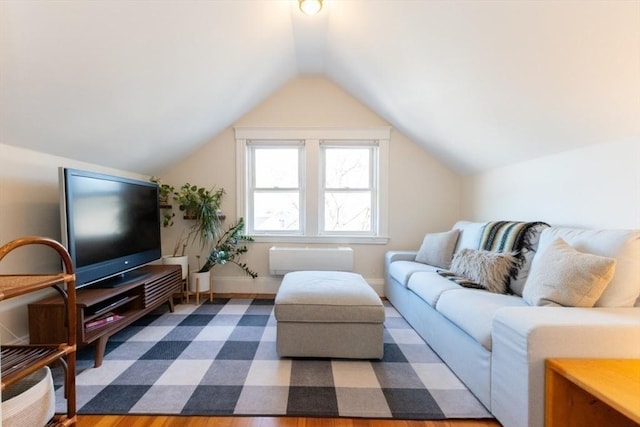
(592, 392)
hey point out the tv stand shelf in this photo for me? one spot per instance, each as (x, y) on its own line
(101, 311)
(124, 304)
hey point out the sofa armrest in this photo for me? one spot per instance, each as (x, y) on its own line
(392, 256)
(524, 337)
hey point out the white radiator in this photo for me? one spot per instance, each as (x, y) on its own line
(282, 260)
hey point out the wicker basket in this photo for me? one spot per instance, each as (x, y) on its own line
(29, 402)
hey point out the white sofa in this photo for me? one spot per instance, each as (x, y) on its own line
(497, 343)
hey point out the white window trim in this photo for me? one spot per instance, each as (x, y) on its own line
(380, 134)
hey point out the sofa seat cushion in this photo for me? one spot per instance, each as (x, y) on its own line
(472, 310)
(401, 271)
(429, 286)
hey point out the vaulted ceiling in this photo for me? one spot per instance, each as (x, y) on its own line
(136, 85)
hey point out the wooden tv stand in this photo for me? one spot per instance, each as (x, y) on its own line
(132, 301)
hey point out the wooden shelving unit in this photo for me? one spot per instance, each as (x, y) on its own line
(19, 361)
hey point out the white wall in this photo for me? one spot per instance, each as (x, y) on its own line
(424, 195)
(593, 187)
(29, 206)
(598, 186)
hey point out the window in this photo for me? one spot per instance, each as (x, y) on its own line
(274, 196)
(313, 185)
(348, 188)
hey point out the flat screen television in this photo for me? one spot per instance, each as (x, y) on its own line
(110, 226)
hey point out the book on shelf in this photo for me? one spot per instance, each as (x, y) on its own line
(101, 321)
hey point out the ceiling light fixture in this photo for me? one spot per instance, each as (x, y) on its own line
(310, 7)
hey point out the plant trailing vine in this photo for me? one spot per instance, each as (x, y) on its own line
(228, 248)
(165, 191)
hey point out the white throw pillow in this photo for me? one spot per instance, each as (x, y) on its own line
(488, 269)
(565, 276)
(470, 234)
(621, 245)
(437, 248)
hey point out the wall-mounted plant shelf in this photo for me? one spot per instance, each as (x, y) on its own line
(220, 217)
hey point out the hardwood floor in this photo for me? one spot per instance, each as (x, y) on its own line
(183, 421)
(177, 421)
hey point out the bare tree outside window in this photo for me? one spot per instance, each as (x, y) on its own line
(276, 190)
(347, 189)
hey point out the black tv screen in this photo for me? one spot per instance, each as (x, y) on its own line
(110, 225)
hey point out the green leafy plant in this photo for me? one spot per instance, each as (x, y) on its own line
(229, 247)
(199, 205)
(203, 207)
(165, 192)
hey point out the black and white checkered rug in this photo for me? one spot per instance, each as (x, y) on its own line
(220, 359)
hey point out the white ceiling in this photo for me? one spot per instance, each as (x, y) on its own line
(137, 85)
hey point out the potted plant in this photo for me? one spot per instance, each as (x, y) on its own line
(229, 247)
(166, 193)
(201, 207)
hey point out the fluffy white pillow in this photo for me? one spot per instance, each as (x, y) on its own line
(488, 269)
(565, 276)
(437, 248)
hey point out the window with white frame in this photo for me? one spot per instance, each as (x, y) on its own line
(348, 187)
(313, 185)
(275, 187)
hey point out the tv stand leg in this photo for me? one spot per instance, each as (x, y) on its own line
(101, 346)
(171, 305)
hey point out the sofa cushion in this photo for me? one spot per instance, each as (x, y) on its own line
(568, 277)
(470, 234)
(489, 270)
(473, 310)
(429, 286)
(401, 271)
(437, 248)
(621, 245)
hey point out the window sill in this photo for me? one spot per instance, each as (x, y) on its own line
(355, 240)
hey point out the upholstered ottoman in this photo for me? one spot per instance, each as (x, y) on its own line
(328, 314)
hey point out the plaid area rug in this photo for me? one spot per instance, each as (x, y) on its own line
(220, 358)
